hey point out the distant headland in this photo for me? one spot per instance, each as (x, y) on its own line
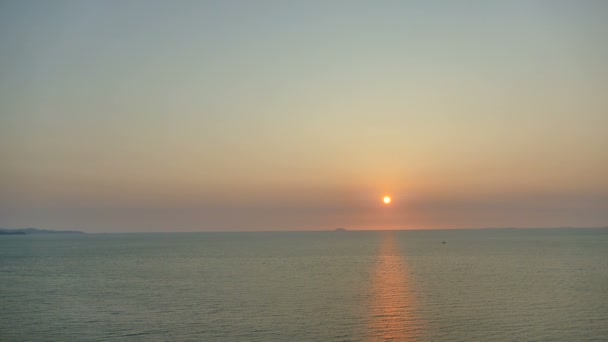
(34, 231)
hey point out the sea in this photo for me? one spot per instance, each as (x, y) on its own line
(440, 285)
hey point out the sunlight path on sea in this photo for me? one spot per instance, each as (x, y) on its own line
(392, 308)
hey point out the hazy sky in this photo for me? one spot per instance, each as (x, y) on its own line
(283, 115)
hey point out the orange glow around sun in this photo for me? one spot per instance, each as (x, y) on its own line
(386, 200)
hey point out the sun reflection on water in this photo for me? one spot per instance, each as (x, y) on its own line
(392, 306)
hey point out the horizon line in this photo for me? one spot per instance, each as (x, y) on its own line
(338, 229)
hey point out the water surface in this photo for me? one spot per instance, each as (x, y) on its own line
(499, 285)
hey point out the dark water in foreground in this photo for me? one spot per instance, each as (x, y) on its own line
(482, 285)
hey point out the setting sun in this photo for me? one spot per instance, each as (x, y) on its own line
(386, 200)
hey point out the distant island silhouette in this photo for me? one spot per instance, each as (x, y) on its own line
(35, 231)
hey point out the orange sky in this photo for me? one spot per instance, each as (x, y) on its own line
(281, 116)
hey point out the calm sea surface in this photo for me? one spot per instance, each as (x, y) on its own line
(481, 285)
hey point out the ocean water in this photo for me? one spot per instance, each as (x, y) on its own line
(480, 285)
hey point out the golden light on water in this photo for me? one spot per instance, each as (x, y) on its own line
(386, 200)
(393, 304)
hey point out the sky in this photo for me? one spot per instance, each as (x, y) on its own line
(133, 116)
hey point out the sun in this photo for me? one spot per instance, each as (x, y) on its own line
(386, 200)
